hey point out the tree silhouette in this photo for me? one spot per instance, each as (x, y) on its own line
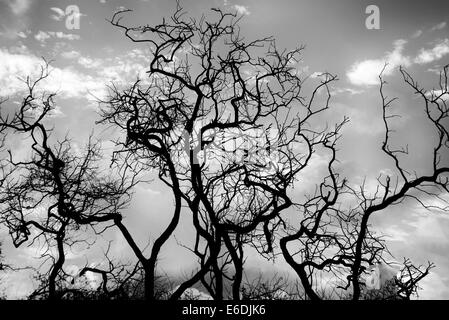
(196, 101)
(335, 239)
(231, 127)
(207, 88)
(56, 192)
(1, 259)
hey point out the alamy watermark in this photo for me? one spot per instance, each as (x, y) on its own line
(372, 21)
(255, 146)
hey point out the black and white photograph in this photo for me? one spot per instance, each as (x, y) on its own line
(224, 154)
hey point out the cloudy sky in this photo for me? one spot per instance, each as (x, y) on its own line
(414, 34)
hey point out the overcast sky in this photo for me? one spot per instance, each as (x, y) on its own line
(413, 34)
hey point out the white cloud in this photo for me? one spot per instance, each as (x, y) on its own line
(62, 35)
(443, 95)
(146, 188)
(42, 36)
(350, 91)
(22, 35)
(14, 19)
(59, 13)
(439, 26)
(241, 9)
(440, 50)
(428, 228)
(193, 294)
(13, 65)
(70, 81)
(17, 285)
(18, 7)
(434, 286)
(417, 34)
(19, 49)
(10, 33)
(123, 68)
(366, 73)
(436, 206)
(70, 54)
(436, 69)
(89, 62)
(362, 122)
(65, 81)
(316, 75)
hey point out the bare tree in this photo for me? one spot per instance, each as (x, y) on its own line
(56, 196)
(224, 123)
(338, 239)
(272, 287)
(118, 281)
(208, 88)
(2, 265)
